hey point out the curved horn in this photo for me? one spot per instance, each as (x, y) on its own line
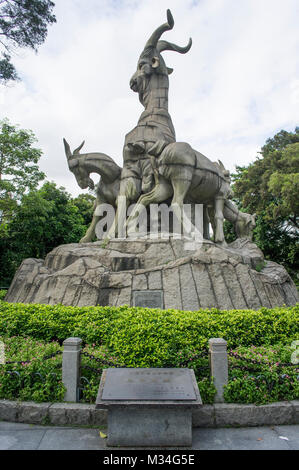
(168, 46)
(221, 165)
(77, 150)
(67, 149)
(152, 42)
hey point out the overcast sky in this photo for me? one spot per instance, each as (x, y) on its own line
(237, 86)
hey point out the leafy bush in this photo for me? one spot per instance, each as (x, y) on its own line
(26, 375)
(256, 374)
(33, 378)
(96, 358)
(137, 337)
(2, 293)
(263, 376)
(150, 337)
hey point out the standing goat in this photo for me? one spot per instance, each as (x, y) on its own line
(81, 165)
(179, 170)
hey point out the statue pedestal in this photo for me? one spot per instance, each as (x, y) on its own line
(160, 273)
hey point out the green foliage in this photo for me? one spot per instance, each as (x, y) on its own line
(150, 337)
(105, 357)
(260, 266)
(269, 187)
(22, 24)
(2, 294)
(85, 204)
(256, 374)
(229, 232)
(207, 390)
(22, 381)
(19, 171)
(45, 219)
(40, 380)
(265, 382)
(33, 222)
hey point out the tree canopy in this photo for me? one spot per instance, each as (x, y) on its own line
(269, 187)
(85, 204)
(23, 23)
(33, 221)
(44, 219)
(19, 171)
(270, 184)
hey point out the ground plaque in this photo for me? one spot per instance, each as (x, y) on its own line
(148, 384)
(149, 407)
(148, 298)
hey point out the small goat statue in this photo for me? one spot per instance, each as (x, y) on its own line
(81, 165)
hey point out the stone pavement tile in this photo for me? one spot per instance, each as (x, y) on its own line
(291, 432)
(256, 438)
(8, 426)
(20, 436)
(28, 439)
(72, 439)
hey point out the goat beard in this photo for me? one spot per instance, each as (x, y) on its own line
(90, 183)
(142, 84)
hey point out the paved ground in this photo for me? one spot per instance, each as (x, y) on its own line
(16, 436)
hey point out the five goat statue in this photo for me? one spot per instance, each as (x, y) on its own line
(156, 168)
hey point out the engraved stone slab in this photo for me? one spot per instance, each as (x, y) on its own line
(148, 298)
(148, 384)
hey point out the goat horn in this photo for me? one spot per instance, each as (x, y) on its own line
(77, 150)
(67, 149)
(152, 42)
(168, 46)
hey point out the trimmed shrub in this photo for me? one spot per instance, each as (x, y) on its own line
(256, 374)
(3, 293)
(27, 375)
(150, 337)
(262, 375)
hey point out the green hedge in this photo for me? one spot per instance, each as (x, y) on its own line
(26, 375)
(37, 374)
(3, 293)
(150, 337)
(33, 371)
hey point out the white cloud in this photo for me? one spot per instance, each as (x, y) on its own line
(237, 86)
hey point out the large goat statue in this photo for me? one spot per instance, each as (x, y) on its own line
(156, 168)
(180, 171)
(81, 165)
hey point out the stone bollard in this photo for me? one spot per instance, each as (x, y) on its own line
(218, 365)
(71, 364)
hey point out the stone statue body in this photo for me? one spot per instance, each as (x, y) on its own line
(180, 171)
(155, 166)
(162, 273)
(81, 165)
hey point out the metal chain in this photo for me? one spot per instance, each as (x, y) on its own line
(253, 361)
(186, 363)
(249, 369)
(29, 362)
(17, 362)
(102, 361)
(57, 353)
(202, 368)
(92, 369)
